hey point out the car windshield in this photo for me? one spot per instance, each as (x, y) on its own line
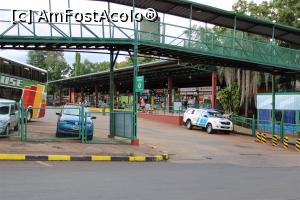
(4, 109)
(215, 114)
(72, 110)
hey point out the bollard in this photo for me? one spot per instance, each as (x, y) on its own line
(258, 137)
(298, 144)
(286, 142)
(263, 138)
(275, 140)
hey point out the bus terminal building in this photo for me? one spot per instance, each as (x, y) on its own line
(168, 85)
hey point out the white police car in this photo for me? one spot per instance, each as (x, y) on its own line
(208, 119)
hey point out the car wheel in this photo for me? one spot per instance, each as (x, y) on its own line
(189, 124)
(209, 128)
(7, 130)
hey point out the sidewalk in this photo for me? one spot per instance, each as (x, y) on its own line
(76, 148)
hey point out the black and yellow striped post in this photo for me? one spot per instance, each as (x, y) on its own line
(258, 137)
(263, 138)
(286, 142)
(275, 139)
(298, 144)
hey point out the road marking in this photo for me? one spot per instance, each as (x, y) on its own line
(43, 163)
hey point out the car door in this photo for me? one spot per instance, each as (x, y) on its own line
(198, 116)
(204, 119)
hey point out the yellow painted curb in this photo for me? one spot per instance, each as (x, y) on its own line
(101, 158)
(59, 157)
(12, 156)
(137, 158)
(159, 158)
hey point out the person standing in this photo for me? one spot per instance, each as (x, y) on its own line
(104, 106)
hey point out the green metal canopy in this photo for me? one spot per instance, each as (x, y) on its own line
(219, 17)
(156, 75)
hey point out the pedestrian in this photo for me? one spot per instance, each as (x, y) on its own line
(104, 106)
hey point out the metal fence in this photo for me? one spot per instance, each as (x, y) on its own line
(54, 124)
(97, 126)
(252, 125)
(244, 125)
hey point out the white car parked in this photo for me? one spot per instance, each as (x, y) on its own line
(9, 116)
(208, 119)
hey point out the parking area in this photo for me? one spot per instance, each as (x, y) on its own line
(156, 137)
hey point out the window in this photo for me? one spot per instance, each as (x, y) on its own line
(290, 116)
(278, 115)
(12, 108)
(264, 114)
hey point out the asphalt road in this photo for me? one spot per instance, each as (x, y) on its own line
(86, 180)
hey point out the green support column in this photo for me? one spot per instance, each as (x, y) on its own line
(281, 132)
(111, 95)
(134, 140)
(190, 30)
(273, 104)
(253, 126)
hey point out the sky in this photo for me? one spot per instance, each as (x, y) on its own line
(58, 5)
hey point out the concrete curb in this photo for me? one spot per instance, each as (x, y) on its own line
(25, 157)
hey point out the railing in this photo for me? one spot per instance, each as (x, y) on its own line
(169, 36)
(282, 129)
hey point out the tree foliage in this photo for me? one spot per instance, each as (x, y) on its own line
(87, 67)
(282, 11)
(77, 64)
(230, 98)
(52, 61)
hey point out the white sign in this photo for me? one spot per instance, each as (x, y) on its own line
(6, 80)
(282, 101)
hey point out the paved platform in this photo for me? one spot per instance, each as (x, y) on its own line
(157, 138)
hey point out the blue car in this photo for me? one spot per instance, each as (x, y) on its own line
(68, 122)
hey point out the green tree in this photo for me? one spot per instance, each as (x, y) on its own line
(37, 59)
(52, 61)
(282, 11)
(77, 64)
(56, 65)
(230, 98)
